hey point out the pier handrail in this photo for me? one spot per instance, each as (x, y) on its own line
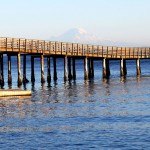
(72, 49)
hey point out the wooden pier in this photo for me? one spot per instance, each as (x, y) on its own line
(70, 52)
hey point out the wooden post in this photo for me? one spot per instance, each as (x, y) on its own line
(48, 69)
(106, 69)
(9, 70)
(123, 69)
(32, 69)
(42, 69)
(74, 68)
(1, 70)
(65, 68)
(19, 69)
(25, 80)
(55, 70)
(85, 68)
(92, 64)
(91, 68)
(1, 78)
(69, 67)
(138, 68)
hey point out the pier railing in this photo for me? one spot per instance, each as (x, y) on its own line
(71, 49)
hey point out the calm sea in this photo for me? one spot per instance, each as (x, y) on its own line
(101, 113)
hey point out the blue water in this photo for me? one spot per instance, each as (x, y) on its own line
(101, 113)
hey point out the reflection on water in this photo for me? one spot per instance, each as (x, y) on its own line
(100, 113)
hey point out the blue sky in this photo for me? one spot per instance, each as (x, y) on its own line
(116, 20)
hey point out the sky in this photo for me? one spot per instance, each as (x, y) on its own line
(116, 20)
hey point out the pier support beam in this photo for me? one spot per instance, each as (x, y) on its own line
(65, 68)
(74, 68)
(19, 69)
(25, 80)
(9, 70)
(91, 68)
(55, 70)
(106, 69)
(92, 64)
(69, 68)
(123, 68)
(32, 69)
(42, 69)
(85, 68)
(1, 70)
(48, 69)
(138, 68)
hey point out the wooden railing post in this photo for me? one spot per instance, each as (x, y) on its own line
(25, 48)
(6, 43)
(107, 52)
(49, 47)
(12, 44)
(116, 52)
(112, 55)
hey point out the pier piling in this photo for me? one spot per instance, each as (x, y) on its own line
(106, 69)
(123, 68)
(19, 69)
(69, 68)
(74, 68)
(25, 80)
(85, 68)
(138, 68)
(91, 68)
(48, 69)
(55, 70)
(9, 70)
(65, 68)
(42, 69)
(32, 69)
(0, 70)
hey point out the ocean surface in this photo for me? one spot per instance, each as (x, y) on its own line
(100, 113)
